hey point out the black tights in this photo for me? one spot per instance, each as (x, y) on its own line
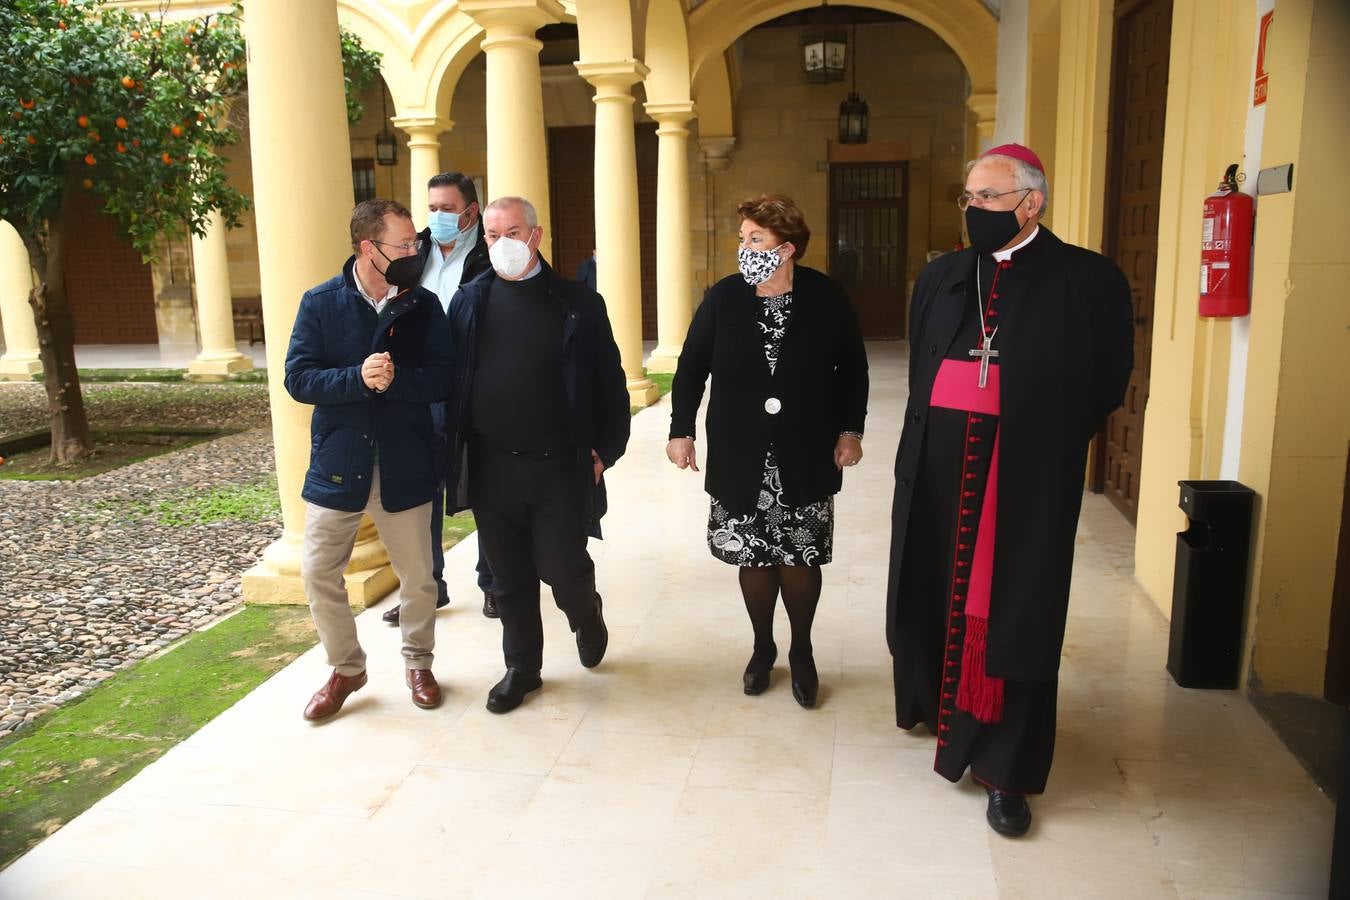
(800, 587)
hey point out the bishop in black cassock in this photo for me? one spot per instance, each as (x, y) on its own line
(1020, 346)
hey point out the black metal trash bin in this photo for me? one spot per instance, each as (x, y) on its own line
(1209, 586)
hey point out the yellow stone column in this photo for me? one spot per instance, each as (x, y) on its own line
(424, 156)
(619, 261)
(302, 189)
(220, 358)
(21, 361)
(674, 266)
(516, 149)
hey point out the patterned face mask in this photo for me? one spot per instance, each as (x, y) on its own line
(758, 266)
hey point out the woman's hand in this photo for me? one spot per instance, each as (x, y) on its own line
(847, 451)
(681, 452)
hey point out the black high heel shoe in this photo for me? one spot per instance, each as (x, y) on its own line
(805, 681)
(756, 678)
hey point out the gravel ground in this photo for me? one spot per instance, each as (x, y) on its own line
(23, 406)
(90, 580)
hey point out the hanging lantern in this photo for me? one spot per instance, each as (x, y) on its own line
(853, 120)
(386, 148)
(825, 56)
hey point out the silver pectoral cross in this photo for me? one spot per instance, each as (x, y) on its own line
(985, 354)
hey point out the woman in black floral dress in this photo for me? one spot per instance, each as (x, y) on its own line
(785, 416)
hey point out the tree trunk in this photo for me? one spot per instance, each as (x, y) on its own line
(56, 341)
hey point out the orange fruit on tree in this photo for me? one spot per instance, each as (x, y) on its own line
(17, 114)
(135, 142)
(87, 184)
(128, 82)
(82, 121)
(176, 131)
(121, 122)
(135, 35)
(93, 136)
(167, 158)
(61, 25)
(27, 104)
(32, 139)
(89, 159)
(121, 147)
(157, 34)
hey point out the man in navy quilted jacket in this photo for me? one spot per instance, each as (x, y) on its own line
(370, 351)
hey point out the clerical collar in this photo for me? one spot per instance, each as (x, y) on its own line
(1005, 255)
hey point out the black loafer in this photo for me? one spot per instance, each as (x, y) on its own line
(490, 604)
(391, 616)
(508, 693)
(442, 595)
(757, 671)
(805, 681)
(593, 639)
(1008, 814)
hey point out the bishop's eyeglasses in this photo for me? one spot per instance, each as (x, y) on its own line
(986, 196)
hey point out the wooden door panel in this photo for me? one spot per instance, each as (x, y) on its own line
(868, 227)
(1139, 106)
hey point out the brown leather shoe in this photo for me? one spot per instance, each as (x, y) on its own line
(426, 693)
(329, 698)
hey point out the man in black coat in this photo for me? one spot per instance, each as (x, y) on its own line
(540, 407)
(1019, 349)
(455, 254)
(371, 352)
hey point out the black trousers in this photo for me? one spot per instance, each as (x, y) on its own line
(527, 509)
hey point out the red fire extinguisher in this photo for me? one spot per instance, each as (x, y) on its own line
(1226, 251)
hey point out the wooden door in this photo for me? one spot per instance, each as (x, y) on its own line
(1134, 184)
(571, 168)
(109, 288)
(868, 221)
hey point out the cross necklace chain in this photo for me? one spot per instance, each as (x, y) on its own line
(986, 352)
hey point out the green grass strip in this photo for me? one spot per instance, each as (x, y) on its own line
(81, 752)
(94, 376)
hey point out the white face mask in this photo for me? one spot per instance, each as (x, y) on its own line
(509, 257)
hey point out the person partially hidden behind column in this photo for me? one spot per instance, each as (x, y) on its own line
(1020, 346)
(541, 408)
(371, 351)
(455, 255)
(789, 397)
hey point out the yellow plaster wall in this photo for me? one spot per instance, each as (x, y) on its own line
(1208, 84)
(914, 86)
(1297, 423)
(1043, 23)
(1082, 100)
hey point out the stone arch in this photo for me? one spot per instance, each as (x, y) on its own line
(667, 53)
(966, 26)
(606, 30)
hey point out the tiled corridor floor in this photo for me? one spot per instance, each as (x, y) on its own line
(654, 776)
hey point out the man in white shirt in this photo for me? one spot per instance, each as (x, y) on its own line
(457, 255)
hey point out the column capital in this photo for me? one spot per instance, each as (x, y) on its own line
(672, 116)
(613, 80)
(717, 151)
(422, 126)
(512, 18)
(983, 104)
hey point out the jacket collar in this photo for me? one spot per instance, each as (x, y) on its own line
(964, 267)
(404, 300)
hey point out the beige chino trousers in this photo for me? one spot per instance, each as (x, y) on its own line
(329, 537)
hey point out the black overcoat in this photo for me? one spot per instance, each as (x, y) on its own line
(1066, 349)
(820, 383)
(593, 381)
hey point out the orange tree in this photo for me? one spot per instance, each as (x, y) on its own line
(135, 110)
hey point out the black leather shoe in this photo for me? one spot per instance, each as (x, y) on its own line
(490, 604)
(1008, 814)
(442, 601)
(592, 639)
(756, 678)
(805, 681)
(508, 693)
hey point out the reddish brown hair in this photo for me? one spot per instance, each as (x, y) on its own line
(780, 215)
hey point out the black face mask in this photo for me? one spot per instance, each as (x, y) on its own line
(991, 229)
(405, 271)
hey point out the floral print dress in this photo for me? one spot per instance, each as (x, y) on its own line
(775, 534)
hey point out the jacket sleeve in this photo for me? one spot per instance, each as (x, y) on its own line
(1114, 323)
(691, 373)
(850, 375)
(917, 308)
(612, 418)
(308, 380)
(429, 382)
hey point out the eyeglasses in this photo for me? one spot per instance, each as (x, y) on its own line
(986, 196)
(413, 246)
